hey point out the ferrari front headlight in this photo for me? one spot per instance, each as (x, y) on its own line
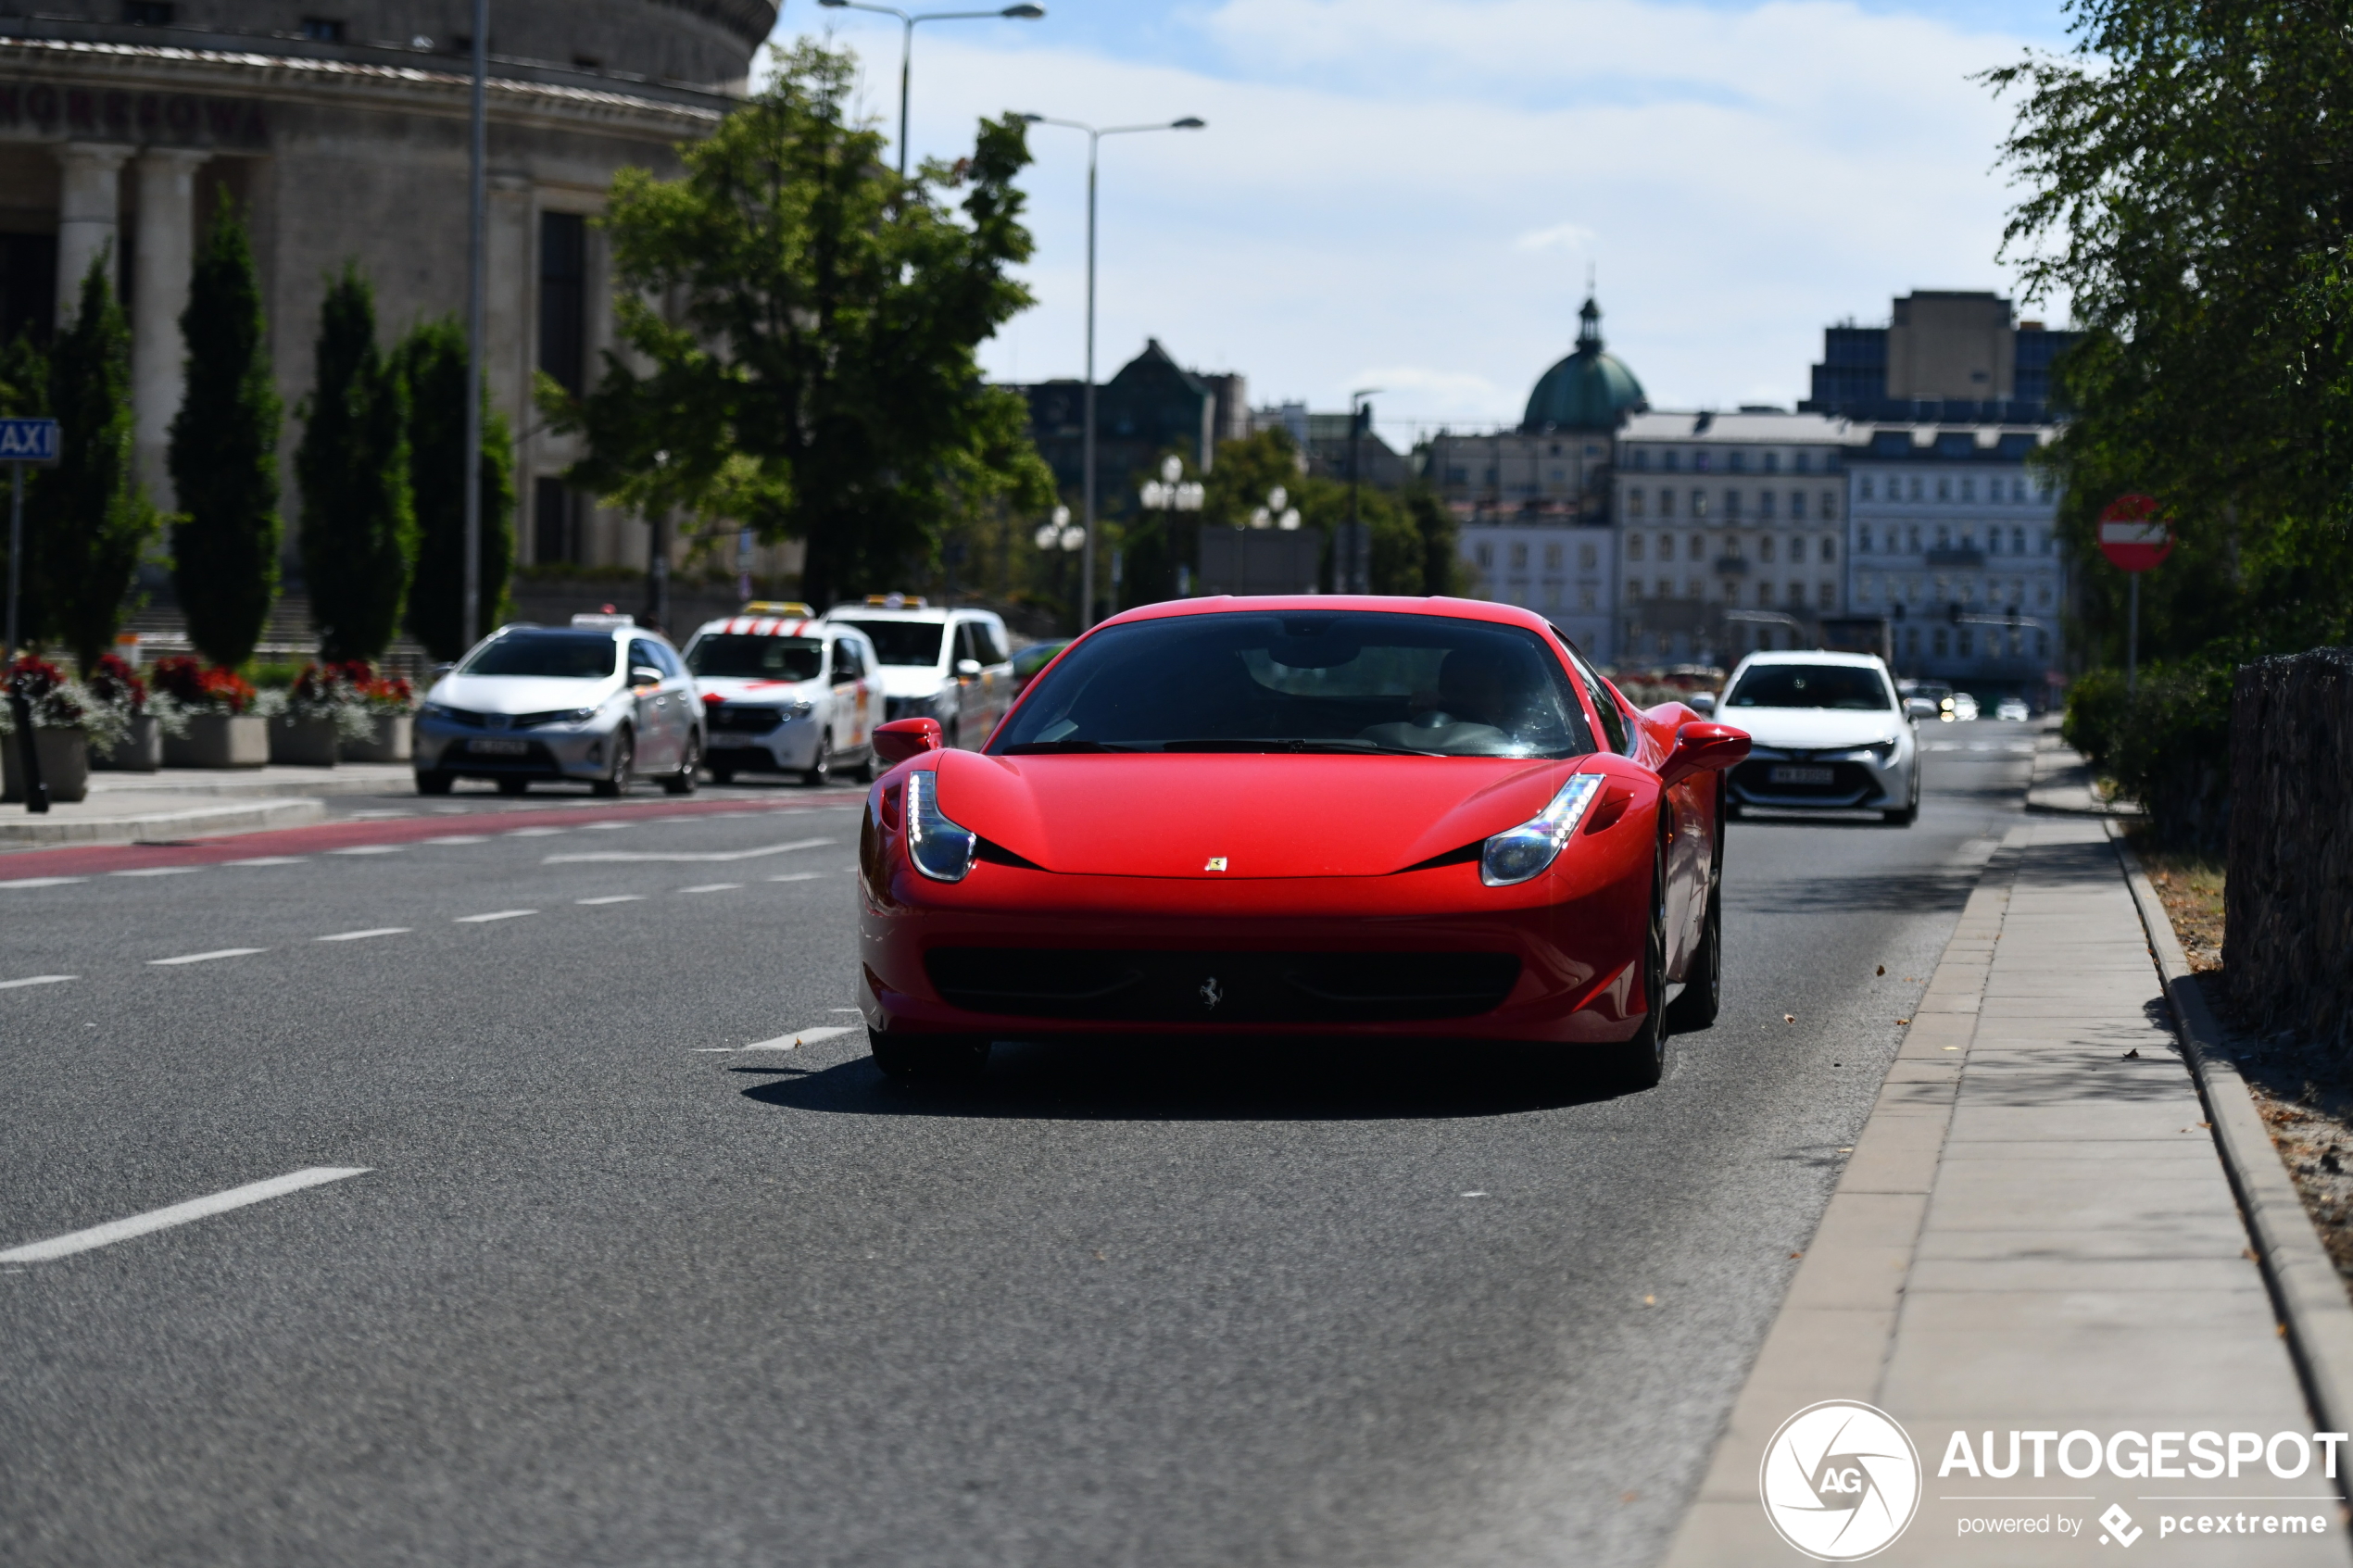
(1524, 852)
(940, 849)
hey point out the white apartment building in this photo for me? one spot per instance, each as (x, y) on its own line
(1562, 571)
(1953, 540)
(1732, 532)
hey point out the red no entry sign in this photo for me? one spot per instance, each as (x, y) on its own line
(2134, 536)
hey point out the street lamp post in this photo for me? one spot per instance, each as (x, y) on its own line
(1095, 136)
(907, 44)
(1170, 493)
(477, 261)
(1356, 573)
(1062, 534)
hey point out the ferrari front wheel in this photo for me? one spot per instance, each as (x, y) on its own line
(1640, 1062)
(930, 1061)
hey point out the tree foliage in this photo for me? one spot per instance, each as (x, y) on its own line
(224, 453)
(358, 533)
(813, 372)
(88, 519)
(432, 362)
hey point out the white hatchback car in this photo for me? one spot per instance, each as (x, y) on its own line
(1830, 734)
(785, 692)
(953, 665)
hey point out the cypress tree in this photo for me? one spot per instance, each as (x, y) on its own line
(88, 519)
(224, 453)
(432, 360)
(359, 522)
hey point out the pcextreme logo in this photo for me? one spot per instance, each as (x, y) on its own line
(1839, 1481)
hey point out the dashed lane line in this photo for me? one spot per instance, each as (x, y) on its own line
(158, 871)
(458, 838)
(363, 935)
(799, 876)
(44, 881)
(782, 1042)
(371, 849)
(270, 860)
(533, 833)
(713, 887)
(610, 856)
(494, 914)
(66, 1246)
(613, 898)
(207, 957)
(36, 979)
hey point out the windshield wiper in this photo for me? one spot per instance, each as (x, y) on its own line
(1047, 747)
(1294, 743)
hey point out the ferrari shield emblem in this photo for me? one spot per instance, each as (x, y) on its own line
(1217, 863)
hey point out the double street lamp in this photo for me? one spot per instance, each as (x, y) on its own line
(907, 44)
(1095, 136)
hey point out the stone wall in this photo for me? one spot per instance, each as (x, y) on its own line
(2288, 899)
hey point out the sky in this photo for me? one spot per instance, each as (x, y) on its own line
(1409, 194)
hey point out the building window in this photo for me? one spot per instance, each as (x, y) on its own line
(1943, 487)
(1585, 599)
(1699, 462)
(1764, 548)
(1552, 559)
(563, 299)
(1736, 461)
(320, 29)
(1797, 506)
(1485, 554)
(1969, 488)
(1863, 539)
(1765, 504)
(1667, 502)
(1826, 596)
(1797, 549)
(1633, 547)
(1699, 503)
(2042, 645)
(1519, 557)
(1732, 504)
(1803, 463)
(1588, 558)
(1993, 541)
(1634, 502)
(1916, 488)
(1916, 538)
(2018, 541)
(1967, 636)
(1830, 506)
(1667, 547)
(146, 13)
(1867, 487)
(1633, 587)
(1698, 548)
(1772, 463)
(1936, 642)
(1457, 474)
(1642, 457)
(1829, 549)
(1670, 459)
(1763, 595)
(556, 524)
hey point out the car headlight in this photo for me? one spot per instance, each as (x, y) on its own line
(1878, 751)
(1524, 852)
(940, 849)
(437, 711)
(579, 716)
(800, 708)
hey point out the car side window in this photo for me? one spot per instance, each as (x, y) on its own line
(1614, 725)
(667, 658)
(992, 638)
(848, 666)
(642, 652)
(967, 646)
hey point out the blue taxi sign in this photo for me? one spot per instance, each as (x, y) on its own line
(28, 441)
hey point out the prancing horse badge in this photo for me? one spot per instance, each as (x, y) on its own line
(1217, 863)
(1209, 995)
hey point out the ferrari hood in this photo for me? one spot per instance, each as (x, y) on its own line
(1814, 729)
(1261, 815)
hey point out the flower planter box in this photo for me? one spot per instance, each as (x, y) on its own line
(302, 743)
(64, 765)
(141, 752)
(394, 740)
(219, 740)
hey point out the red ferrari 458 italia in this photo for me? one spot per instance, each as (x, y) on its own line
(1307, 817)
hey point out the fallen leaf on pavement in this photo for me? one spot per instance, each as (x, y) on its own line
(1882, 968)
(2132, 1055)
(1789, 1018)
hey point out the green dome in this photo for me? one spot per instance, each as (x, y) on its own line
(1590, 390)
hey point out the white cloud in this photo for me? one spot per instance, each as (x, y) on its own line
(1381, 182)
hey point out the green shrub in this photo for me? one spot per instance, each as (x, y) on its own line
(2167, 745)
(2094, 711)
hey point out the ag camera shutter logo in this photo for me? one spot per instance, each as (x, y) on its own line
(1839, 1481)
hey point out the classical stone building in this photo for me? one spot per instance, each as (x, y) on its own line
(342, 126)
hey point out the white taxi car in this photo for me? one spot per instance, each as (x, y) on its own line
(953, 665)
(784, 692)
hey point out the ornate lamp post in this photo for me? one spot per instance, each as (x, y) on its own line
(1168, 494)
(906, 45)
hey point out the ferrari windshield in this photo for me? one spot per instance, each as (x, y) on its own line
(564, 656)
(909, 643)
(1346, 681)
(741, 656)
(1849, 686)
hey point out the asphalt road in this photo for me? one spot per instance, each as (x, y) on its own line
(615, 1291)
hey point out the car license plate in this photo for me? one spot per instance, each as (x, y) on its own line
(498, 748)
(1783, 775)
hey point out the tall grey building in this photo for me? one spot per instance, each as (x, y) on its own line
(341, 125)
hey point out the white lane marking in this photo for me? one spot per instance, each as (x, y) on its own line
(782, 1042)
(496, 914)
(374, 816)
(614, 898)
(603, 827)
(371, 849)
(177, 1214)
(43, 881)
(531, 833)
(798, 876)
(37, 980)
(458, 838)
(713, 887)
(845, 1009)
(609, 855)
(363, 935)
(207, 957)
(158, 871)
(270, 860)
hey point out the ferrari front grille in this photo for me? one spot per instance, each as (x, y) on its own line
(1183, 987)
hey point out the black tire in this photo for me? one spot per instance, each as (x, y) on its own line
(435, 783)
(684, 781)
(722, 773)
(513, 786)
(1703, 991)
(1909, 813)
(1641, 1062)
(930, 1061)
(820, 772)
(625, 756)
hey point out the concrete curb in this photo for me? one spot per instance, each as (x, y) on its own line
(253, 816)
(2058, 787)
(2313, 1307)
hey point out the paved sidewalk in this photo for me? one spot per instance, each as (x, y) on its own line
(188, 802)
(2062, 785)
(2036, 1233)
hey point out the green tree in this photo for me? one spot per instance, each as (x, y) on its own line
(358, 530)
(818, 379)
(1434, 527)
(432, 362)
(224, 453)
(89, 518)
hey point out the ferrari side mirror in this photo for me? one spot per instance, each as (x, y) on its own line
(1703, 749)
(902, 738)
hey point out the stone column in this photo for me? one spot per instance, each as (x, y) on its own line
(167, 254)
(87, 216)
